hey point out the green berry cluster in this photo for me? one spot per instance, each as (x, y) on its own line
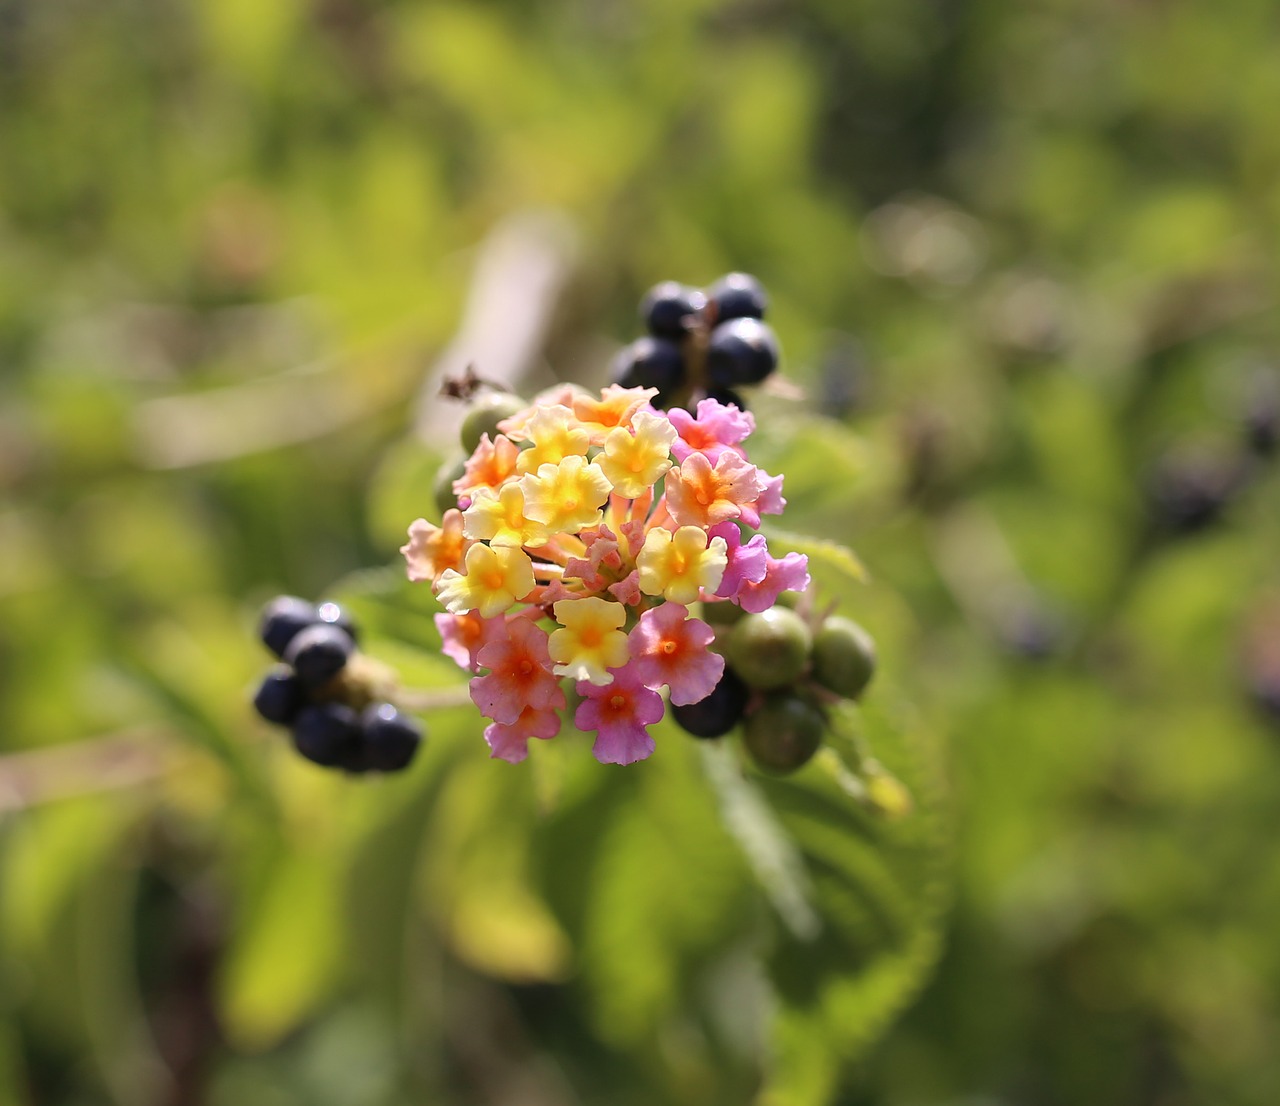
(328, 695)
(782, 672)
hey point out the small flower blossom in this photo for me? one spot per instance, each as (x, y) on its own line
(555, 435)
(620, 713)
(615, 408)
(677, 566)
(590, 640)
(668, 647)
(612, 517)
(716, 429)
(791, 573)
(433, 549)
(489, 466)
(746, 563)
(495, 578)
(511, 742)
(700, 494)
(464, 635)
(499, 518)
(566, 496)
(519, 675)
(634, 460)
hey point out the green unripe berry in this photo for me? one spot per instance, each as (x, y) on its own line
(446, 474)
(784, 732)
(485, 413)
(844, 657)
(769, 649)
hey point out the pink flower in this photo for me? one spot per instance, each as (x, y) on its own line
(511, 742)
(519, 675)
(769, 502)
(747, 563)
(789, 574)
(668, 647)
(620, 712)
(716, 429)
(464, 635)
(701, 494)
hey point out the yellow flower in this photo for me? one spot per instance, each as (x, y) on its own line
(494, 579)
(676, 565)
(499, 518)
(555, 434)
(432, 549)
(614, 408)
(566, 497)
(590, 639)
(635, 462)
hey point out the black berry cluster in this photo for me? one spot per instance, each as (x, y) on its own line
(319, 692)
(782, 670)
(701, 342)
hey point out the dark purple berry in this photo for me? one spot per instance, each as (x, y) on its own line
(280, 696)
(737, 296)
(716, 714)
(390, 738)
(741, 351)
(1189, 493)
(319, 653)
(650, 363)
(328, 734)
(282, 619)
(670, 309)
(336, 615)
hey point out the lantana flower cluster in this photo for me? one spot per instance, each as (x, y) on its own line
(586, 530)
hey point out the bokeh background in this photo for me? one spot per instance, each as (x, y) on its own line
(1022, 261)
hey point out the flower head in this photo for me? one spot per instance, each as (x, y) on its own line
(609, 519)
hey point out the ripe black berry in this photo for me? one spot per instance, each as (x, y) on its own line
(1190, 493)
(718, 713)
(280, 696)
(390, 738)
(669, 309)
(650, 363)
(784, 732)
(328, 734)
(333, 614)
(737, 296)
(742, 351)
(319, 653)
(282, 619)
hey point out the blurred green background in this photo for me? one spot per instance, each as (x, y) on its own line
(1022, 261)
